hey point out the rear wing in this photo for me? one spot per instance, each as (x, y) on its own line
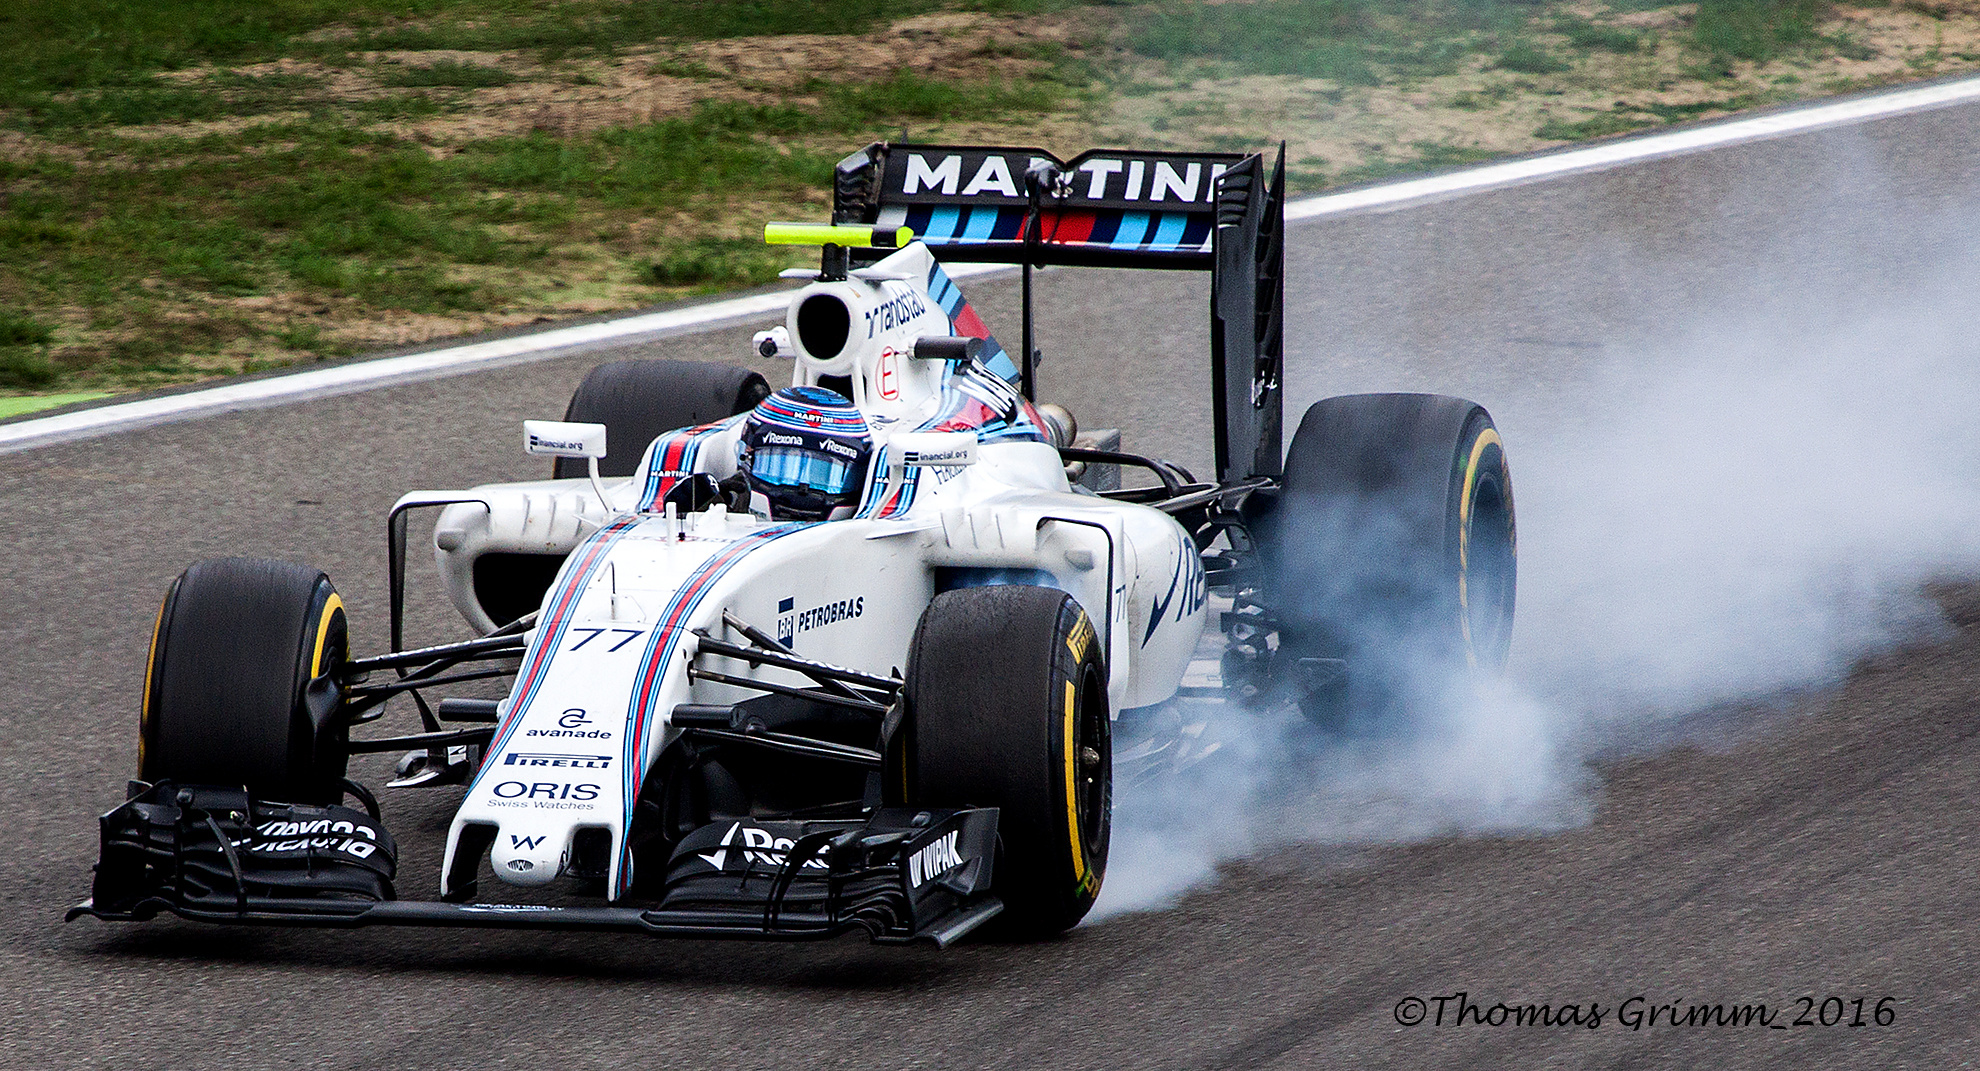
(1215, 212)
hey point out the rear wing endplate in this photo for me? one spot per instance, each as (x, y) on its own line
(1215, 212)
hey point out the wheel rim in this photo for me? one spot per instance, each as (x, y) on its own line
(1093, 795)
(1489, 570)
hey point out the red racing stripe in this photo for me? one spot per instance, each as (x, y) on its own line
(969, 323)
(1070, 226)
(666, 638)
(550, 633)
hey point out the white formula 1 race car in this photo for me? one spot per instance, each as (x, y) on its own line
(846, 656)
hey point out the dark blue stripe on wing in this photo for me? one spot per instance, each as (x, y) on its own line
(1009, 226)
(1196, 235)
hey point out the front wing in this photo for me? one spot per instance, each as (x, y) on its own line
(215, 855)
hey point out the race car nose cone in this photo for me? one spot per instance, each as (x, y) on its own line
(523, 856)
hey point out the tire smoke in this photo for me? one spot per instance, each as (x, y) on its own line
(1735, 512)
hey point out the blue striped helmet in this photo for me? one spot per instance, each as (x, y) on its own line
(804, 451)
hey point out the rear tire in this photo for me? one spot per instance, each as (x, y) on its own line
(1392, 546)
(639, 400)
(1007, 708)
(240, 689)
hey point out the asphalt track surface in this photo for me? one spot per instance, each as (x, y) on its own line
(1831, 854)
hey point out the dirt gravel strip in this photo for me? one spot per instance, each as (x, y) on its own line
(1381, 197)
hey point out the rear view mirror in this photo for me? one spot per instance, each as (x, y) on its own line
(561, 438)
(556, 438)
(934, 449)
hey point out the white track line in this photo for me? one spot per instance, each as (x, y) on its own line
(368, 375)
(1394, 195)
(454, 360)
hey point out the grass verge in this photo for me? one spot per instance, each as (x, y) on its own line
(192, 188)
(20, 405)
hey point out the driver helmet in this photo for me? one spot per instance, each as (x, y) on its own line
(804, 451)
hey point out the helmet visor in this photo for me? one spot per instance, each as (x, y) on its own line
(790, 466)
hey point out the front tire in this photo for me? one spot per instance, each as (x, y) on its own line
(241, 686)
(1007, 708)
(1392, 547)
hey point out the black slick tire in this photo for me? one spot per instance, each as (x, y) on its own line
(639, 400)
(240, 688)
(1392, 546)
(1007, 708)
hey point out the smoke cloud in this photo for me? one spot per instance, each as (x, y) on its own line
(1741, 509)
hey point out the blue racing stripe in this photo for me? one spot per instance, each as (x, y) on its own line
(1168, 230)
(1003, 366)
(982, 221)
(943, 291)
(1133, 230)
(669, 630)
(950, 297)
(885, 497)
(579, 568)
(942, 224)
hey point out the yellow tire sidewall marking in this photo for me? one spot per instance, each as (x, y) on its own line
(1072, 791)
(1080, 637)
(331, 607)
(150, 667)
(1485, 438)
